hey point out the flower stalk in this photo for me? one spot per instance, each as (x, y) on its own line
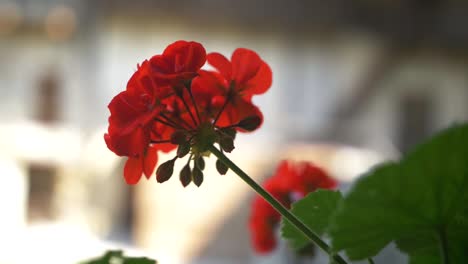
(443, 246)
(277, 205)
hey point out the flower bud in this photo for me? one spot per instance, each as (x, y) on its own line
(165, 170)
(229, 132)
(226, 143)
(250, 123)
(197, 176)
(221, 167)
(185, 175)
(200, 163)
(178, 137)
(183, 149)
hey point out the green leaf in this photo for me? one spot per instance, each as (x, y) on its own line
(425, 259)
(424, 247)
(314, 211)
(410, 202)
(117, 256)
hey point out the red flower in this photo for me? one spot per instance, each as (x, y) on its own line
(234, 84)
(166, 106)
(247, 73)
(132, 114)
(145, 163)
(179, 62)
(290, 182)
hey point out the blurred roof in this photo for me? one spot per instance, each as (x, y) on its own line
(437, 21)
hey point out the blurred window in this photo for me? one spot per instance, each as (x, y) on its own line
(48, 98)
(42, 179)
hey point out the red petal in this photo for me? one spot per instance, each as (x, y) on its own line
(285, 177)
(196, 57)
(133, 170)
(261, 82)
(123, 109)
(236, 110)
(109, 144)
(220, 63)
(218, 101)
(264, 243)
(150, 160)
(207, 85)
(261, 225)
(167, 147)
(138, 141)
(316, 177)
(245, 65)
(162, 132)
(159, 63)
(141, 82)
(186, 56)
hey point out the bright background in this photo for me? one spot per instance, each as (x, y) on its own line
(355, 82)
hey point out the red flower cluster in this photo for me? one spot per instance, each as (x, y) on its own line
(292, 181)
(170, 102)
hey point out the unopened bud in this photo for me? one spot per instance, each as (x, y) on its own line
(178, 137)
(200, 163)
(185, 175)
(165, 170)
(230, 132)
(183, 149)
(250, 123)
(226, 143)
(197, 176)
(221, 167)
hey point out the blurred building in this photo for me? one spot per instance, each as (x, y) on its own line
(365, 79)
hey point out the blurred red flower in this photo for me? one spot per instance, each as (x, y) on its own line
(291, 181)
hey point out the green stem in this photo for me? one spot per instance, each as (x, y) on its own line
(228, 98)
(194, 104)
(277, 205)
(370, 260)
(444, 246)
(195, 123)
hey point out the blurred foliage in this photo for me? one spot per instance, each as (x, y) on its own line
(117, 257)
(315, 211)
(420, 202)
